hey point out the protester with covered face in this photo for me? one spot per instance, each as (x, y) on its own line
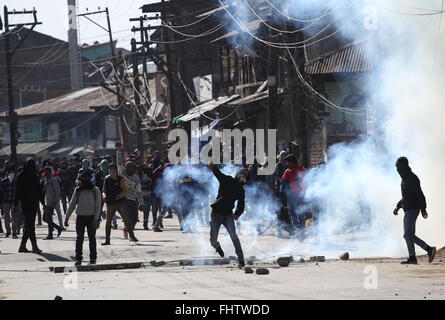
(158, 205)
(114, 191)
(292, 186)
(29, 193)
(99, 178)
(413, 202)
(230, 190)
(52, 193)
(67, 184)
(146, 187)
(87, 201)
(85, 167)
(7, 193)
(134, 200)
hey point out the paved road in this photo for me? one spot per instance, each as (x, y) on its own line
(27, 276)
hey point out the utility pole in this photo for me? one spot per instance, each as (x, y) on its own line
(75, 66)
(171, 84)
(137, 98)
(12, 115)
(114, 63)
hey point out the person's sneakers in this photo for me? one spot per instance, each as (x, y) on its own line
(134, 239)
(161, 225)
(8, 234)
(60, 231)
(14, 236)
(241, 264)
(36, 250)
(157, 230)
(220, 252)
(92, 261)
(431, 254)
(115, 226)
(106, 243)
(23, 250)
(78, 263)
(411, 260)
(125, 234)
(48, 238)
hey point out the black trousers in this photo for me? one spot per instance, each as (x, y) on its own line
(83, 222)
(29, 230)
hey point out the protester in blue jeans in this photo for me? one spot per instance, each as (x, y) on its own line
(413, 201)
(86, 200)
(230, 190)
(52, 195)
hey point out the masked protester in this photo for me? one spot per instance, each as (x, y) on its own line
(134, 200)
(87, 202)
(413, 202)
(85, 167)
(67, 184)
(7, 193)
(99, 178)
(114, 191)
(52, 192)
(29, 193)
(230, 190)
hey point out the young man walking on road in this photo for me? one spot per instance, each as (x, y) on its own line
(413, 201)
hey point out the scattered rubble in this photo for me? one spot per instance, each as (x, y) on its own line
(262, 271)
(155, 263)
(317, 259)
(201, 262)
(248, 270)
(250, 262)
(284, 261)
(58, 298)
(344, 256)
(97, 267)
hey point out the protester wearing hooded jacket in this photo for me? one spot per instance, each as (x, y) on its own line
(87, 201)
(413, 202)
(29, 193)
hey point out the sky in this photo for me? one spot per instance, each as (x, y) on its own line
(54, 17)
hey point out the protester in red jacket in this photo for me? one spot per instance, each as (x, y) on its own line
(292, 186)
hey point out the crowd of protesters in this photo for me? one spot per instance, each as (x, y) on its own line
(126, 184)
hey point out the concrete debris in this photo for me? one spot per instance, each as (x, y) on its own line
(250, 262)
(155, 263)
(248, 270)
(284, 261)
(58, 298)
(344, 256)
(201, 262)
(262, 271)
(317, 259)
(97, 267)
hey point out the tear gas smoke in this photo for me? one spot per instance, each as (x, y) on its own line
(359, 187)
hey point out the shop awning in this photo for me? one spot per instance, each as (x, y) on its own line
(203, 108)
(28, 149)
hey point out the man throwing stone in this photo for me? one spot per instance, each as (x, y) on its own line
(413, 201)
(230, 190)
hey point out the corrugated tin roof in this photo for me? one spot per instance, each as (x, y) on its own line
(353, 57)
(31, 148)
(251, 26)
(79, 101)
(205, 107)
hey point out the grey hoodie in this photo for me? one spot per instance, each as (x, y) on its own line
(52, 191)
(88, 202)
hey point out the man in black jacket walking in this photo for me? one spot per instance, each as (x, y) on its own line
(29, 193)
(413, 201)
(230, 190)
